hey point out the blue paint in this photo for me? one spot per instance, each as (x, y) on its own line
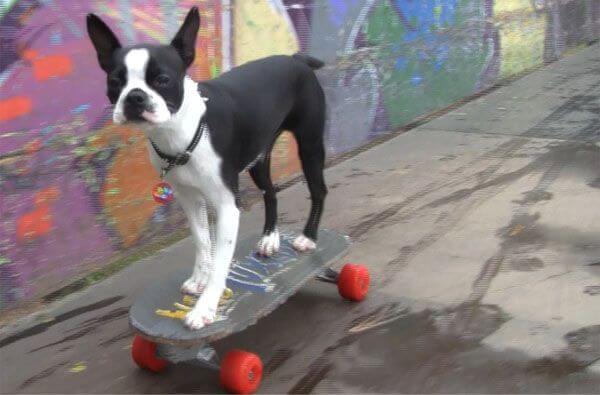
(422, 38)
(339, 9)
(56, 38)
(253, 273)
(416, 80)
(126, 24)
(80, 109)
(50, 161)
(401, 63)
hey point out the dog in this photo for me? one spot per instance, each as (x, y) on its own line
(201, 136)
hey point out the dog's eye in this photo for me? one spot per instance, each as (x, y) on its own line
(162, 80)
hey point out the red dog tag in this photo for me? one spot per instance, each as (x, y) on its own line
(162, 193)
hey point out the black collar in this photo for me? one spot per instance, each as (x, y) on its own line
(183, 157)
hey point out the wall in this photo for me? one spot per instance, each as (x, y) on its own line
(74, 188)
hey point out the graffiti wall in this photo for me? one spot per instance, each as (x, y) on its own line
(74, 187)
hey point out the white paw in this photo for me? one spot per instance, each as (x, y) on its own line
(200, 316)
(193, 286)
(269, 244)
(304, 244)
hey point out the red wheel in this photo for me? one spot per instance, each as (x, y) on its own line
(353, 282)
(241, 372)
(143, 353)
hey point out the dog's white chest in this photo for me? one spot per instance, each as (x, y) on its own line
(202, 173)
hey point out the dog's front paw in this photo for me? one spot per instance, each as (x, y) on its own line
(268, 244)
(304, 244)
(200, 316)
(193, 286)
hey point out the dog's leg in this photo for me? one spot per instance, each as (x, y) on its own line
(312, 155)
(228, 215)
(261, 175)
(198, 219)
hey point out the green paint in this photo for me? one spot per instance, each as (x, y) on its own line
(5, 6)
(214, 70)
(440, 85)
(81, 151)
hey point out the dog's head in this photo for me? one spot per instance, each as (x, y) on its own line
(145, 82)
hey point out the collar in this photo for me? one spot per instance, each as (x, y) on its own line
(183, 157)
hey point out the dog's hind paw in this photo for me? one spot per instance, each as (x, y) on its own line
(304, 244)
(268, 245)
(199, 317)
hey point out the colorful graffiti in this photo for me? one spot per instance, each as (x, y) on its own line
(75, 187)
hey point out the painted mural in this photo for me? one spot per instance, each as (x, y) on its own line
(74, 187)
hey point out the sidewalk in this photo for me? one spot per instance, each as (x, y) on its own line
(481, 229)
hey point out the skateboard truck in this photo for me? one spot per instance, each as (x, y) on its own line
(329, 276)
(203, 355)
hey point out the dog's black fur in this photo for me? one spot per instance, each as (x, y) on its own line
(249, 106)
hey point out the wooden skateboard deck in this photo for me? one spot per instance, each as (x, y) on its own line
(259, 286)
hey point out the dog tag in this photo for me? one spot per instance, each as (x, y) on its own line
(162, 193)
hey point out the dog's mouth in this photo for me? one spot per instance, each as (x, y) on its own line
(141, 115)
(152, 116)
(138, 113)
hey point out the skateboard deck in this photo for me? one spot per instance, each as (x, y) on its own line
(259, 286)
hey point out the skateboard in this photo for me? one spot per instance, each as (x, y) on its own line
(255, 287)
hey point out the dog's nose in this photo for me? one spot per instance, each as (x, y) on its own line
(136, 97)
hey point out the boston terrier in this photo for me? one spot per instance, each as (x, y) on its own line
(202, 135)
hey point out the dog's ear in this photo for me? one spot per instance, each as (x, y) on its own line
(104, 40)
(185, 39)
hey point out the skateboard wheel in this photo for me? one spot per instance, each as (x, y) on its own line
(241, 372)
(143, 353)
(353, 282)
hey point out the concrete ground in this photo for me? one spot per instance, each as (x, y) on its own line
(482, 234)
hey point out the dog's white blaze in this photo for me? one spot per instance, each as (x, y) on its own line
(136, 62)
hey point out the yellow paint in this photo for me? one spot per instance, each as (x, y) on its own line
(183, 307)
(78, 367)
(522, 35)
(227, 294)
(189, 300)
(516, 230)
(177, 314)
(261, 28)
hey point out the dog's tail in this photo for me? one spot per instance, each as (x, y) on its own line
(313, 63)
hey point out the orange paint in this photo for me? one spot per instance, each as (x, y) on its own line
(46, 195)
(29, 54)
(52, 66)
(33, 146)
(14, 107)
(284, 157)
(34, 224)
(127, 194)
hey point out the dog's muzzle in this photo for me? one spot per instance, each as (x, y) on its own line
(136, 102)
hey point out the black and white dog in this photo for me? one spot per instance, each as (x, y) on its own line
(202, 135)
